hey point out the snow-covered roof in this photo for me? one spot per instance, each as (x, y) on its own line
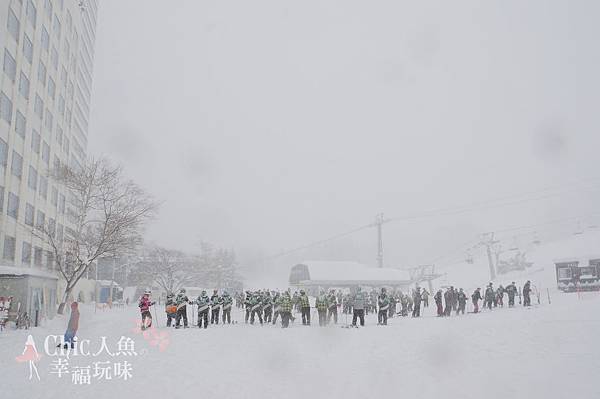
(583, 261)
(26, 271)
(352, 271)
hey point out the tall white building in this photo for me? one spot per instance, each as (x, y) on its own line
(47, 53)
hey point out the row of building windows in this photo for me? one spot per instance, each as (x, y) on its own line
(13, 205)
(9, 253)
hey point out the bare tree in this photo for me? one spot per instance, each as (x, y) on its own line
(106, 215)
(168, 268)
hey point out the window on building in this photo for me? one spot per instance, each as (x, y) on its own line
(28, 49)
(63, 76)
(51, 88)
(37, 256)
(44, 187)
(1, 198)
(36, 141)
(38, 107)
(61, 106)
(61, 204)
(26, 253)
(55, 162)
(24, 86)
(45, 39)
(12, 208)
(54, 196)
(60, 232)
(20, 124)
(3, 153)
(13, 25)
(50, 260)
(46, 153)
(56, 27)
(54, 58)
(59, 134)
(31, 13)
(41, 220)
(52, 226)
(48, 8)
(16, 166)
(49, 121)
(69, 21)
(29, 214)
(5, 108)
(10, 244)
(32, 179)
(42, 72)
(10, 66)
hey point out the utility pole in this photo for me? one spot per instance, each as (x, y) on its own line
(488, 242)
(379, 221)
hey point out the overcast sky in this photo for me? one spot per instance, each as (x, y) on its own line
(264, 125)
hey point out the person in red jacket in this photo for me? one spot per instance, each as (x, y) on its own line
(72, 327)
(144, 305)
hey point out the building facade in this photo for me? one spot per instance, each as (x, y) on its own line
(47, 53)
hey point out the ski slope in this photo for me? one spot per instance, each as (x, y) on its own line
(547, 351)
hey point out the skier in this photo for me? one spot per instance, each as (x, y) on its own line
(500, 296)
(332, 305)
(462, 301)
(144, 306)
(285, 308)
(276, 306)
(227, 303)
(489, 296)
(321, 305)
(417, 303)
(527, 294)
(73, 326)
(358, 307)
(392, 308)
(404, 302)
(454, 298)
(511, 290)
(383, 301)
(267, 307)
(438, 303)
(476, 297)
(425, 297)
(448, 298)
(215, 303)
(203, 302)
(181, 300)
(247, 305)
(169, 303)
(304, 308)
(256, 307)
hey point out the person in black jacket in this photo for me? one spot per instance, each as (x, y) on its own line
(476, 297)
(527, 294)
(462, 301)
(511, 290)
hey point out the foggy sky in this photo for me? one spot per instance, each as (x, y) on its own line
(265, 125)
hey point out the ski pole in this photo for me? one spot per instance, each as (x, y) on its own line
(155, 314)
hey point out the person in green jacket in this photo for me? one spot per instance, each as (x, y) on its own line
(304, 308)
(321, 305)
(285, 309)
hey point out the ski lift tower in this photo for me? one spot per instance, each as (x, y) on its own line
(379, 221)
(423, 273)
(488, 241)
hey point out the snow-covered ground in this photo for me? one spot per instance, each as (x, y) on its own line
(547, 351)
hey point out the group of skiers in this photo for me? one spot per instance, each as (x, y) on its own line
(456, 300)
(267, 306)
